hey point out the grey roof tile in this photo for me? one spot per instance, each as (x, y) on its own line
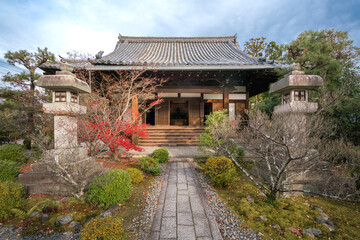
(176, 51)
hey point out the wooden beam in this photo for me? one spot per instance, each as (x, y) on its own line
(226, 98)
(134, 115)
(247, 100)
(202, 113)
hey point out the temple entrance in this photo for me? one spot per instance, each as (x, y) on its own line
(150, 116)
(207, 109)
(179, 113)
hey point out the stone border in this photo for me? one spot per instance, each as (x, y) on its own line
(142, 225)
(156, 224)
(228, 223)
(215, 231)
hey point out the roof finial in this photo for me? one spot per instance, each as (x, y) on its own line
(120, 36)
(235, 37)
(99, 55)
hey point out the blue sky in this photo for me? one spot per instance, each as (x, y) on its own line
(93, 25)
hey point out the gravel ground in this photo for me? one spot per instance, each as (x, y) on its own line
(229, 224)
(141, 225)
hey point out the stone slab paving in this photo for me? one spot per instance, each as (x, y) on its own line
(182, 211)
(178, 151)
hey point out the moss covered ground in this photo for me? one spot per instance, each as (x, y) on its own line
(81, 210)
(293, 212)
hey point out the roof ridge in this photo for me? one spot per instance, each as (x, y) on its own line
(178, 39)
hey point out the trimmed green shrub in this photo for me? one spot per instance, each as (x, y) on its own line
(8, 170)
(220, 170)
(103, 228)
(154, 170)
(27, 143)
(11, 197)
(240, 154)
(147, 161)
(161, 154)
(150, 165)
(110, 188)
(12, 152)
(136, 175)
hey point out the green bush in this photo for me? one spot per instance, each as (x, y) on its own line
(220, 170)
(11, 197)
(161, 154)
(12, 152)
(110, 188)
(8, 170)
(147, 161)
(150, 165)
(136, 175)
(103, 228)
(27, 143)
(240, 154)
(154, 170)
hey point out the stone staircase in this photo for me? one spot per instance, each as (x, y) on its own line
(41, 180)
(172, 136)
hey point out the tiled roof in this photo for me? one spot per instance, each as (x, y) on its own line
(176, 51)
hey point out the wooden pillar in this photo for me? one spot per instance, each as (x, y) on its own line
(134, 116)
(226, 98)
(202, 113)
(247, 101)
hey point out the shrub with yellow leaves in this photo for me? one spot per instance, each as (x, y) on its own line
(103, 228)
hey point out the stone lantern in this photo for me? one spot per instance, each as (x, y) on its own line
(294, 88)
(66, 167)
(65, 104)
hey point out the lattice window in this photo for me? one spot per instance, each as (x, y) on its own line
(74, 97)
(299, 96)
(286, 98)
(60, 96)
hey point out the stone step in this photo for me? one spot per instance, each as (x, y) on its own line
(40, 178)
(175, 131)
(173, 134)
(51, 188)
(167, 144)
(181, 159)
(168, 141)
(192, 138)
(175, 127)
(38, 167)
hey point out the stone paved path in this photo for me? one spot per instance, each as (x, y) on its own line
(182, 211)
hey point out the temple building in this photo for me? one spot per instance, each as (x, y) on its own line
(205, 74)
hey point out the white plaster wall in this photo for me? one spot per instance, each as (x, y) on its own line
(240, 96)
(190, 94)
(213, 96)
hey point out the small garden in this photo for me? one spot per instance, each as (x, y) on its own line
(111, 203)
(285, 218)
(256, 189)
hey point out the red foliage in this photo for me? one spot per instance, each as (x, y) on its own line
(26, 168)
(117, 136)
(121, 163)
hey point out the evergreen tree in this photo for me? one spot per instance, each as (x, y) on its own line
(17, 114)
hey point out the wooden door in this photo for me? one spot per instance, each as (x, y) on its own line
(217, 106)
(194, 112)
(163, 113)
(239, 109)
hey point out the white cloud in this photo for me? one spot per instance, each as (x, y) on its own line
(90, 26)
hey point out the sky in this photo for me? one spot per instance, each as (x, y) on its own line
(90, 26)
